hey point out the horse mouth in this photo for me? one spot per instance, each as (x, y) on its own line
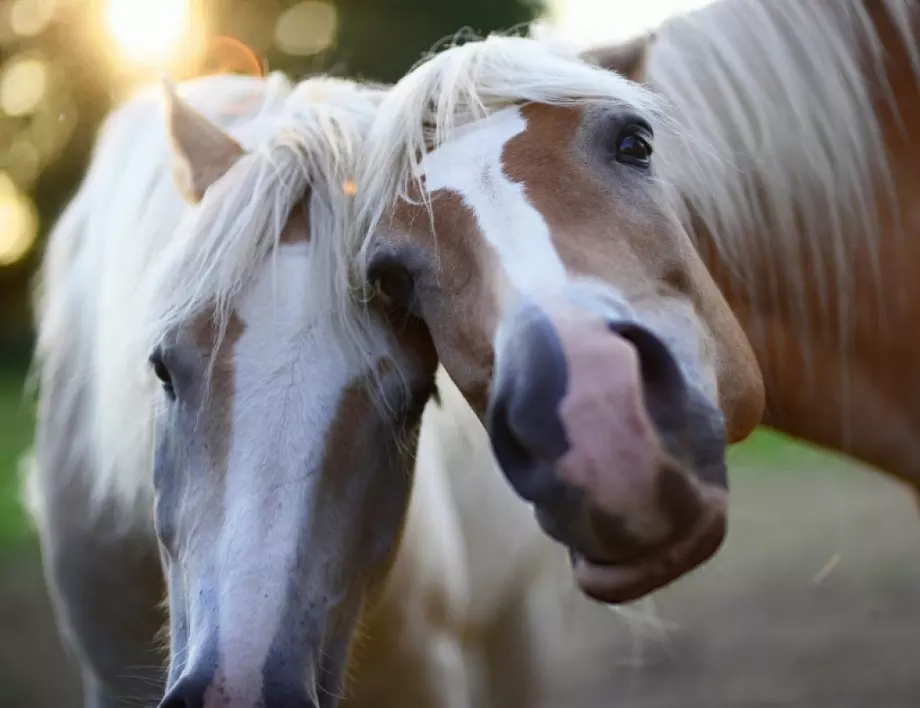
(629, 580)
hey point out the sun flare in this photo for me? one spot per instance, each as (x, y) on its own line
(147, 32)
(597, 21)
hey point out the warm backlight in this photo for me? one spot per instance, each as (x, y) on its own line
(18, 222)
(590, 22)
(147, 32)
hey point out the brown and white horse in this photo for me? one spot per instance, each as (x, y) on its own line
(799, 185)
(785, 144)
(513, 206)
(222, 424)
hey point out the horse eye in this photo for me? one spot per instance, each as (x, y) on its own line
(392, 280)
(162, 373)
(633, 147)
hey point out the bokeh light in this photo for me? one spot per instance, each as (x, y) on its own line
(22, 85)
(18, 222)
(29, 17)
(147, 32)
(306, 28)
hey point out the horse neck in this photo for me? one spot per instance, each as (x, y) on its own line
(805, 228)
(780, 164)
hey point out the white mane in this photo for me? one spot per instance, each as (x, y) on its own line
(130, 260)
(465, 83)
(783, 94)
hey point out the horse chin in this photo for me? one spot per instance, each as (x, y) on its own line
(632, 579)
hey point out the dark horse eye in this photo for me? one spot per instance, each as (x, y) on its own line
(634, 147)
(162, 373)
(392, 280)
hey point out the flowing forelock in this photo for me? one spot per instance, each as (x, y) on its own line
(309, 148)
(465, 83)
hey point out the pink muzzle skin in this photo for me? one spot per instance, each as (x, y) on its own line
(593, 423)
(671, 522)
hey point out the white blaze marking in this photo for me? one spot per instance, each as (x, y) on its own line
(470, 164)
(288, 385)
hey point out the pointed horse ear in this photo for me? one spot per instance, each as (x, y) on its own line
(202, 152)
(629, 59)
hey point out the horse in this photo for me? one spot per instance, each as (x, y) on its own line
(225, 423)
(798, 187)
(487, 145)
(509, 204)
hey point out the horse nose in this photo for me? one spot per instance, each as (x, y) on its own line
(583, 420)
(193, 691)
(188, 692)
(523, 417)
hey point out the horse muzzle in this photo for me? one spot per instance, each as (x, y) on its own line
(592, 421)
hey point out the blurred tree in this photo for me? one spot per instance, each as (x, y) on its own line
(68, 74)
(372, 39)
(381, 40)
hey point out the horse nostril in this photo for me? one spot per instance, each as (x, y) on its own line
(172, 701)
(186, 693)
(662, 380)
(524, 455)
(175, 701)
(507, 446)
(524, 418)
(189, 693)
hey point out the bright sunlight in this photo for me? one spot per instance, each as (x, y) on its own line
(597, 21)
(147, 32)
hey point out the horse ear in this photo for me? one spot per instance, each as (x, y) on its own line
(202, 152)
(628, 59)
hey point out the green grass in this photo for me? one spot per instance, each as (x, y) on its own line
(16, 420)
(767, 451)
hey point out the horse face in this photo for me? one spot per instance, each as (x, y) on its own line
(281, 481)
(569, 306)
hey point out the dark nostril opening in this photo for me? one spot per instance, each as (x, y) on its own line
(524, 418)
(508, 448)
(172, 701)
(175, 701)
(662, 380)
(527, 463)
(186, 693)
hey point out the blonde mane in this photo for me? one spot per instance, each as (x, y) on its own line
(780, 139)
(464, 83)
(129, 260)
